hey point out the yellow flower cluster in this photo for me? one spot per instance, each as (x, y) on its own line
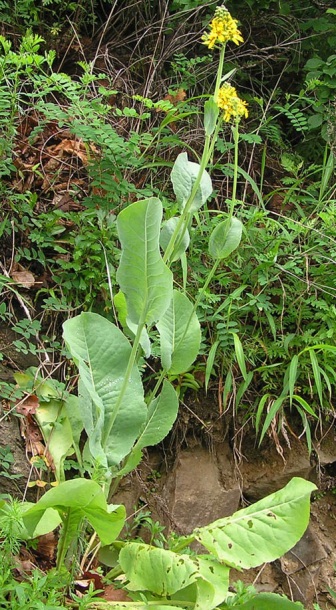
(228, 101)
(223, 28)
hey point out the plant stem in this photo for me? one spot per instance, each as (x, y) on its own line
(219, 71)
(235, 170)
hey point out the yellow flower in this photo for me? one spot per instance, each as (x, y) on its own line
(223, 28)
(228, 101)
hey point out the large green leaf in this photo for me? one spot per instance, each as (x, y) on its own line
(262, 532)
(183, 177)
(225, 238)
(151, 569)
(79, 498)
(216, 574)
(142, 275)
(162, 413)
(102, 352)
(180, 335)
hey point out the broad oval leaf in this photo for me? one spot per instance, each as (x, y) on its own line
(167, 231)
(180, 335)
(83, 498)
(151, 569)
(102, 353)
(225, 238)
(262, 532)
(183, 177)
(142, 275)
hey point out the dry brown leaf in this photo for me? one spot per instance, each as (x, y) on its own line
(114, 595)
(23, 278)
(73, 147)
(28, 405)
(46, 546)
(175, 98)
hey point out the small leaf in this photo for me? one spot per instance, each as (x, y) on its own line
(211, 112)
(180, 335)
(276, 406)
(240, 355)
(317, 375)
(292, 376)
(210, 363)
(167, 231)
(225, 238)
(183, 177)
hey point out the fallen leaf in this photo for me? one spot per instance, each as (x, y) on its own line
(176, 97)
(111, 594)
(27, 405)
(23, 278)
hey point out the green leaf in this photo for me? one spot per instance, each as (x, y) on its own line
(250, 180)
(240, 355)
(162, 413)
(292, 374)
(167, 231)
(210, 363)
(276, 406)
(211, 112)
(152, 569)
(119, 301)
(183, 177)
(132, 461)
(79, 498)
(142, 275)
(260, 410)
(225, 238)
(269, 601)
(180, 335)
(262, 532)
(102, 352)
(217, 575)
(317, 375)
(55, 425)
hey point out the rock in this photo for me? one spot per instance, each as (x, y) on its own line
(307, 551)
(195, 493)
(302, 566)
(266, 472)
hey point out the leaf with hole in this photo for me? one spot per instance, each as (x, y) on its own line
(262, 532)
